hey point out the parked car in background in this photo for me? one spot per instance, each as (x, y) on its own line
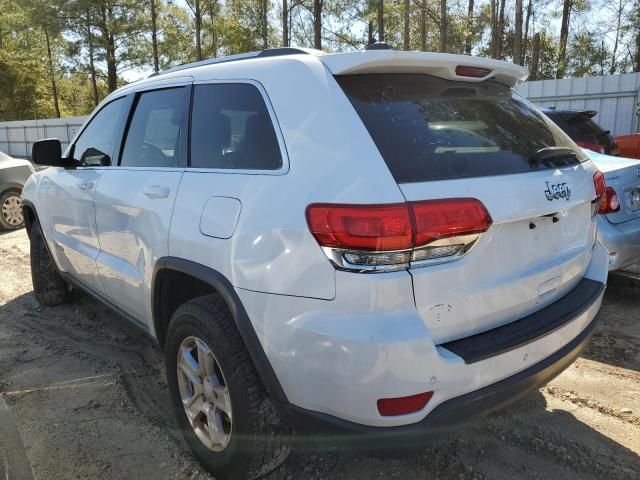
(581, 127)
(629, 145)
(384, 244)
(619, 222)
(13, 175)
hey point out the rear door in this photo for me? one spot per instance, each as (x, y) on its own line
(444, 139)
(134, 200)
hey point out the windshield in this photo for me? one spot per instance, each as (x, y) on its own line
(428, 128)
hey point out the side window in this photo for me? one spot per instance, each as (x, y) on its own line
(95, 144)
(231, 128)
(154, 134)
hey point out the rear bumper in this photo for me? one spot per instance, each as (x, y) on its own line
(621, 240)
(453, 412)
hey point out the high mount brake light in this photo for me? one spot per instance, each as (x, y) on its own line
(610, 202)
(475, 72)
(389, 237)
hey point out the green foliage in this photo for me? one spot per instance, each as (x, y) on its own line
(97, 45)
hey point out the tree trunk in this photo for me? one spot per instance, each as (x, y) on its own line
(371, 39)
(264, 6)
(109, 49)
(493, 47)
(423, 26)
(54, 88)
(154, 36)
(564, 35)
(285, 23)
(381, 20)
(317, 24)
(198, 24)
(535, 57)
(612, 70)
(406, 41)
(501, 30)
(468, 39)
(525, 41)
(517, 34)
(443, 25)
(92, 67)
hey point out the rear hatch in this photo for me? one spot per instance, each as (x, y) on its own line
(443, 138)
(588, 133)
(623, 175)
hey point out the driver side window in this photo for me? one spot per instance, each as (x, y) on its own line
(156, 128)
(94, 146)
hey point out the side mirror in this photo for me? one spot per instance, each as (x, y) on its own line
(47, 152)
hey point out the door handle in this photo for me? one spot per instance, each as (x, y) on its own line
(156, 191)
(85, 185)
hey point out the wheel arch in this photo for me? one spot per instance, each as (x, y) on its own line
(203, 276)
(29, 213)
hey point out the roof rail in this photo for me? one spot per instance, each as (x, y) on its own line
(269, 52)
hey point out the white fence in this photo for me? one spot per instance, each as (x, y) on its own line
(17, 137)
(614, 97)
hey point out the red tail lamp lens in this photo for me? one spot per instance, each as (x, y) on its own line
(475, 72)
(435, 219)
(362, 227)
(389, 407)
(600, 184)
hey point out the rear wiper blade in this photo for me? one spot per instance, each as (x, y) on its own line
(554, 156)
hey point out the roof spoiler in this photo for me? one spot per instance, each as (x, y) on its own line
(443, 65)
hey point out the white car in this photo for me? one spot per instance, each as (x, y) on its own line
(619, 224)
(13, 174)
(376, 243)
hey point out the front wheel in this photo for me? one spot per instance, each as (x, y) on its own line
(11, 217)
(221, 406)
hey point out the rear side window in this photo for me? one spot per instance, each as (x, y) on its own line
(154, 135)
(95, 144)
(231, 128)
(582, 124)
(427, 128)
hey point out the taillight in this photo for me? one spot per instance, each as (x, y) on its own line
(475, 72)
(600, 184)
(596, 147)
(609, 203)
(390, 237)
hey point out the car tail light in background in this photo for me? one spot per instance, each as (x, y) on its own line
(596, 147)
(475, 72)
(371, 238)
(390, 407)
(600, 185)
(609, 202)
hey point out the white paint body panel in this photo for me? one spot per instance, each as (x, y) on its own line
(337, 341)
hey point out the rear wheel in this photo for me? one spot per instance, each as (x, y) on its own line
(48, 286)
(221, 406)
(11, 216)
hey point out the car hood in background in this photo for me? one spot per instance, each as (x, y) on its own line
(8, 162)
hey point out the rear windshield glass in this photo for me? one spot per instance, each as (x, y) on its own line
(428, 128)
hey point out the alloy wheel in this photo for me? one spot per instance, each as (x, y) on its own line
(204, 394)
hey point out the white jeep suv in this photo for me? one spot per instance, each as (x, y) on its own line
(375, 243)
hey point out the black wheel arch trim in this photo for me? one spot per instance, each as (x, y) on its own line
(222, 285)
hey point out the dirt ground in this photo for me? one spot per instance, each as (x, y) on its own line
(83, 395)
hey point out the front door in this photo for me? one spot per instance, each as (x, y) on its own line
(68, 215)
(134, 201)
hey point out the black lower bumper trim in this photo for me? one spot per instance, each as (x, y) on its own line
(530, 328)
(453, 412)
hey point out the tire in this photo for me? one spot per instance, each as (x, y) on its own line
(11, 217)
(254, 439)
(48, 286)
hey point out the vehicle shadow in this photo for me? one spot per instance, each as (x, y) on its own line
(124, 398)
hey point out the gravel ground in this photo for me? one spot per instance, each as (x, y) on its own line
(83, 395)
